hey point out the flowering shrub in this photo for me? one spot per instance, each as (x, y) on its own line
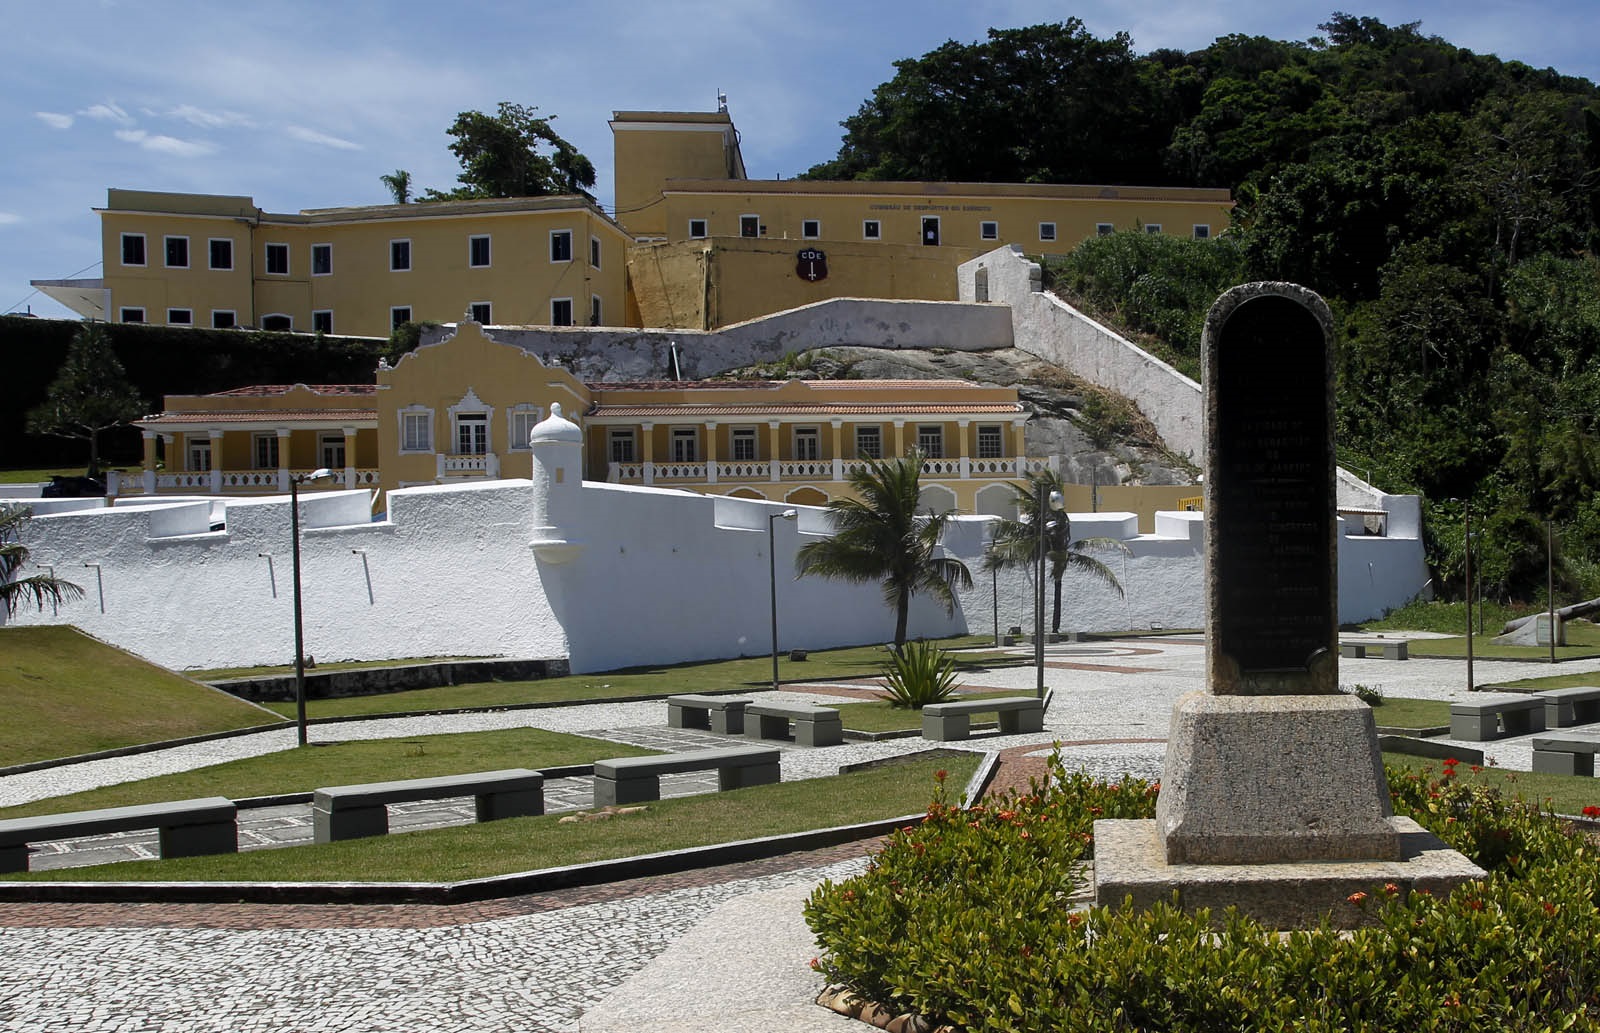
(963, 920)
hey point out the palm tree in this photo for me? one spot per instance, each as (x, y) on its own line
(1016, 542)
(13, 555)
(879, 536)
(399, 184)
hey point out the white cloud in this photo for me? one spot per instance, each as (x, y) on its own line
(53, 119)
(107, 113)
(311, 136)
(166, 144)
(209, 119)
(8, 219)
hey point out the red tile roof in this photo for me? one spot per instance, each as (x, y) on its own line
(270, 416)
(694, 410)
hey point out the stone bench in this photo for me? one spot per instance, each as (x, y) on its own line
(947, 722)
(1563, 708)
(356, 811)
(638, 779)
(813, 725)
(186, 828)
(1387, 648)
(721, 714)
(1570, 754)
(1496, 717)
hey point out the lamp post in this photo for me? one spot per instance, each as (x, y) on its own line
(1466, 508)
(1550, 582)
(299, 630)
(772, 570)
(1046, 502)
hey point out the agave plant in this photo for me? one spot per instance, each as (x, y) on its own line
(919, 673)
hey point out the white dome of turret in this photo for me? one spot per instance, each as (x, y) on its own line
(555, 427)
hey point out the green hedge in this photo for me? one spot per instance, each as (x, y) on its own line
(162, 360)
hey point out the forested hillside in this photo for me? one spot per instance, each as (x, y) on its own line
(1445, 203)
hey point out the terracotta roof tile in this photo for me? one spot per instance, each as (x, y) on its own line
(692, 411)
(272, 416)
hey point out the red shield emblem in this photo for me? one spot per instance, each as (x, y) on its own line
(811, 264)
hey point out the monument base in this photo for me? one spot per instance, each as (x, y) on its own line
(1129, 861)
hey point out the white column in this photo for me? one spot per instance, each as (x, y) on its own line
(148, 478)
(283, 458)
(647, 436)
(838, 450)
(775, 470)
(711, 453)
(216, 461)
(962, 449)
(350, 457)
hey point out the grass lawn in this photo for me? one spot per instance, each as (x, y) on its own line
(1565, 794)
(1400, 712)
(1445, 618)
(525, 844)
(746, 673)
(64, 693)
(1557, 681)
(1583, 640)
(874, 716)
(348, 763)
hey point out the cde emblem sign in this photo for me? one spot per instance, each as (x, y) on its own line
(811, 264)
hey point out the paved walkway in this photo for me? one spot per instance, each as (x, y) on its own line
(721, 948)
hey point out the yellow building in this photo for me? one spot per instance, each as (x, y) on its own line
(218, 261)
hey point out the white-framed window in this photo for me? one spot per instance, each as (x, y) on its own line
(224, 319)
(871, 229)
(469, 421)
(1152, 227)
(277, 321)
(989, 230)
(560, 245)
(930, 440)
(177, 249)
(620, 444)
(744, 444)
(560, 311)
(991, 442)
(399, 314)
(322, 260)
(1047, 231)
(594, 311)
(264, 450)
(131, 314)
(133, 249)
(520, 421)
(697, 229)
(749, 225)
(481, 312)
(400, 256)
(330, 450)
(416, 429)
(1202, 231)
(322, 321)
(220, 253)
(807, 443)
(198, 453)
(685, 445)
(811, 229)
(869, 442)
(277, 260)
(478, 251)
(1104, 229)
(594, 252)
(180, 317)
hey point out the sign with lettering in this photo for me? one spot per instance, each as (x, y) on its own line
(811, 264)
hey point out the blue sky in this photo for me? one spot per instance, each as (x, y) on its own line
(304, 103)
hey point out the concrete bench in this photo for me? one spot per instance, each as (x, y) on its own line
(355, 811)
(638, 779)
(186, 828)
(813, 725)
(1563, 708)
(1496, 717)
(1388, 648)
(721, 714)
(1570, 754)
(947, 722)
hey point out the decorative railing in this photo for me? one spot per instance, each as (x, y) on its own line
(680, 471)
(791, 470)
(244, 482)
(745, 469)
(468, 464)
(806, 469)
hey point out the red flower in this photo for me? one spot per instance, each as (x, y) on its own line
(1390, 888)
(1451, 762)
(1549, 908)
(1591, 811)
(1356, 898)
(1025, 834)
(1476, 768)
(940, 775)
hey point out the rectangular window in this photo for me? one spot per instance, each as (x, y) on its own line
(133, 249)
(684, 440)
(697, 229)
(560, 311)
(265, 447)
(221, 249)
(277, 260)
(399, 256)
(1047, 231)
(594, 252)
(869, 442)
(177, 252)
(1202, 231)
(594, 310)
(811, 229)
(744, 444)
(330, 451)
(1104, 229)
(930, 230)
(322, 260)
(522, 423)
(930, 440)
(621, 445)
(180, 317)
(399, 314)
(322, 321)
(749, 225)
(989, 230)
(132, 315)
(481, 312)
(807, 443)
(224, 319)
(1152, 227)
(416, 432)
(478, 251)
(560, 245)
(990, 443)
(199, 454)
(871, 229)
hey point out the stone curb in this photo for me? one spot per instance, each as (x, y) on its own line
(148, 747)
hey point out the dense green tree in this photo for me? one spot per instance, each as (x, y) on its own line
(878, 535)
(36, 588)
(89, 396)
(514, 153)
(398, 183)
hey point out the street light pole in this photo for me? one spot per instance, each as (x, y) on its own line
(1467, 587)
(772, 570)
(299, 626)
(1550, 582)
(1045, 503)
